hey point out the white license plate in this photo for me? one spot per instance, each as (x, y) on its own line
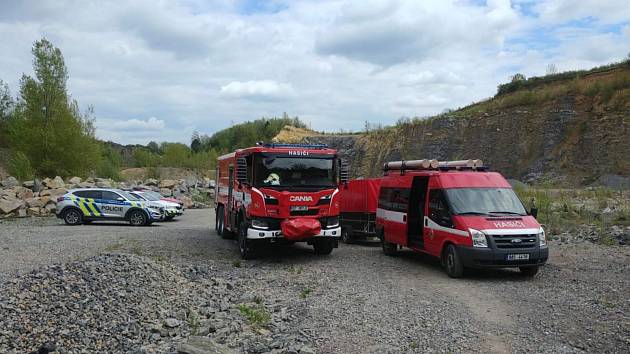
(518, 257)
(299, 208)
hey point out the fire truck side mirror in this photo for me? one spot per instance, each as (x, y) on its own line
(344, 172)
(241, 170)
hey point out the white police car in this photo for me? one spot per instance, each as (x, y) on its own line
(80, 206)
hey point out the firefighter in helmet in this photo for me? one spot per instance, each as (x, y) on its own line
(273, 179)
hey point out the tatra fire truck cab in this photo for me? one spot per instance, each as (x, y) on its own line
(280, 193)
(460, 212)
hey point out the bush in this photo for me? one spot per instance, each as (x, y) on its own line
(20, 167)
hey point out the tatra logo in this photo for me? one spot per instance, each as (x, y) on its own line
(508, 224)
(300, 198)
(298, 153)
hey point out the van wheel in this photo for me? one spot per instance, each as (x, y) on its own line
(244, 245)
(529, 271)
(72, 217)
(346, 235)
(390, 249)
(323, 247)
(137, 218)
(452, 262)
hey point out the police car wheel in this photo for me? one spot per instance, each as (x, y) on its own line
(137, 218)
(72, 217)
(169, 217)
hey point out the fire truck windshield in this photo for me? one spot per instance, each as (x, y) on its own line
(484, 201)
(292, 171)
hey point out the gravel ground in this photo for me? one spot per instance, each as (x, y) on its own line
(354, 301)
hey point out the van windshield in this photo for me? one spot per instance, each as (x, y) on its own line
(485, 201)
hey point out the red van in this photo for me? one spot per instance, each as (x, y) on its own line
(460, 212)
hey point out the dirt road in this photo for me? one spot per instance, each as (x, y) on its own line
(358, 300)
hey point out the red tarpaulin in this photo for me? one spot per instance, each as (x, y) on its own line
(360, 195)
(300, 229)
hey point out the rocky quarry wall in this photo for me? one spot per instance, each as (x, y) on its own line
(572, 141)
(39, 197)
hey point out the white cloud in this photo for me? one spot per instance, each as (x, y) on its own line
(256, 89)
(201, 65)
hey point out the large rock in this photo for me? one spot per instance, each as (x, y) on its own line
(23, 193)
(86, 184)
(34, 202)
(51, 208)
(10, 206)
(166, 192)
(191, 181)
(203, 345)
(33, 211)
(168, 183)
(151, 182)
(188, 202)
(53, 192)
(7, 193)
(74, 180)
(28, 184)
(103, 183)
(55, 183)
(10, 182)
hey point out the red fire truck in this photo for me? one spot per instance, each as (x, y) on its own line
(280, 193)
(460, 212)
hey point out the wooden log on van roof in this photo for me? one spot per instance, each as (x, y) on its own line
(462, 163)
(411, 164)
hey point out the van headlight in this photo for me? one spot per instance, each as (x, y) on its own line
(479, 238)
(260, 224)
(542, 238)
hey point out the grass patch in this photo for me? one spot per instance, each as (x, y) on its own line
(305, 293)
(257, 316)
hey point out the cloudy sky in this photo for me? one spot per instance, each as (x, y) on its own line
(159, 70)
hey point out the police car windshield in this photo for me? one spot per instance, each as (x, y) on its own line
(485, 201)
(129, 196)
(293, 171)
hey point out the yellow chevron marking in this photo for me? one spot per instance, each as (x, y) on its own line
(91, 205)
(83, 208)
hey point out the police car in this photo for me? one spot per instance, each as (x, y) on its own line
(80, 206)
(171, 209)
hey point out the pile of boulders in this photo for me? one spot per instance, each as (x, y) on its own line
(39, 197)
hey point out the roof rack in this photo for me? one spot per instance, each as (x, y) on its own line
(284, 145)
(426, 164)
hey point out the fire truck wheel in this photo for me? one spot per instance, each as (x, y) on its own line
(529, 271)
(452, 262)
(346, 235)
(219, 221)
(323, 247)
(244, 245)
(390, 249)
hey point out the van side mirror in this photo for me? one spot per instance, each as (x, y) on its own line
(534, 212)
(241, 170)
(344, 172)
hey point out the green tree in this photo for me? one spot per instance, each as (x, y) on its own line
(47, 125)
(6, 107)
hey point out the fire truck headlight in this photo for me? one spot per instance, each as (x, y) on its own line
(479, 238)
(542, 238)
(260, 224)
(333, 221)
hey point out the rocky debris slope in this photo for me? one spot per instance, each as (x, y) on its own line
(126, 303)
(39, 197)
